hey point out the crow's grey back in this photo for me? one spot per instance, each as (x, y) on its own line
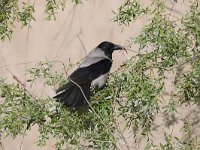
(94, 56)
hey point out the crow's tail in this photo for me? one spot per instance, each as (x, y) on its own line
(73, 96)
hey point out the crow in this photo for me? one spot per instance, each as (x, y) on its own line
(92, 73)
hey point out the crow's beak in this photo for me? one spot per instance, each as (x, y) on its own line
(119, 47)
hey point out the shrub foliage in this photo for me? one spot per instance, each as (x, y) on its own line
(135, 93)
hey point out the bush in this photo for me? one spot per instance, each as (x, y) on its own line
(135, 93)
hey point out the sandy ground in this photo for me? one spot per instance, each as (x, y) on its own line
(76, 31)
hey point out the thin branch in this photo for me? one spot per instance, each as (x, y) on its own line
(64, 67)
(118, 128)
(82, 45)
(18, 81)
(26, 45)
(122, 136)
(22, 63)
(20, 147)
(103, 123)
(170, 13)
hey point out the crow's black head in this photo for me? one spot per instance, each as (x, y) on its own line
(109, 47)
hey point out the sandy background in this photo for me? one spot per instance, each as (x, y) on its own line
(76, 31)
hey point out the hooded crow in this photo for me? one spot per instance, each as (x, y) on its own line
(92, 72)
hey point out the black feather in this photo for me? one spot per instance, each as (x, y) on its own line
(70, 94)
(74, 97)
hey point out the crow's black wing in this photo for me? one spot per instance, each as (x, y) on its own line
(70, 94)
(91, 72)
(87, 74)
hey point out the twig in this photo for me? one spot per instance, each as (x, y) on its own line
(122, 136)
(170, 13)
(23, 63)
(82, 44)
(26, 45)
(119, 131)
(20, 147)
(174, 11)
(107, 141)
(18, 81)
(91, 106)
(64, 67)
